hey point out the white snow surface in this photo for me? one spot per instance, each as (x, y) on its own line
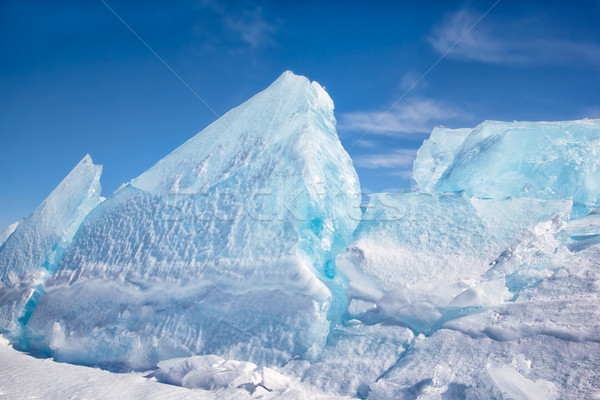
(423, 258)
(25, 377)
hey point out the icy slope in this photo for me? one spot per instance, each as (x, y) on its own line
(225, 246)
(32, 252)
(544, 160)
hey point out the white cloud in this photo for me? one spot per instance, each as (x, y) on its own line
(368, 144)
(508, 43)
(403, 173)
(252, 27)
(400, 158)
(410, 79)
(410, 117)
(245, 21)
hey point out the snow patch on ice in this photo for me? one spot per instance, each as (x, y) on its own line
(517, 387)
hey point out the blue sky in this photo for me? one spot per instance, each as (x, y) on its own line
(74, 80)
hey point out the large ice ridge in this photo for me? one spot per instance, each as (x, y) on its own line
(226, 246)
(242, 263)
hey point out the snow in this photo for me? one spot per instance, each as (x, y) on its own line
(241, 266)
(423, 258)
(208, 372)
(211, 372)
(548, 336)
(23, 376)
(517, 387)
(356, 355)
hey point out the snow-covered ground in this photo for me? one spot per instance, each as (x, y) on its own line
(23, 376)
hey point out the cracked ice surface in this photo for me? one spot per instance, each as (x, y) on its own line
(501, 290)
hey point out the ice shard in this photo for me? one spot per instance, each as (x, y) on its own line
(5, 234)
(543, 160)
(32, 252)
(226, 246)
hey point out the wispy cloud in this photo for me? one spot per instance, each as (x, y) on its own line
(417, 116)
(508, 43)
(367, 144)
(404, 173)
(245, 21)
(409, 79)
(400, 158)
(252, 27)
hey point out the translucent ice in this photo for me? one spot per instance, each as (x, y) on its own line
(544, 160)
(32, 252)
(224, 247)
(237, 263)
(4, 235)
